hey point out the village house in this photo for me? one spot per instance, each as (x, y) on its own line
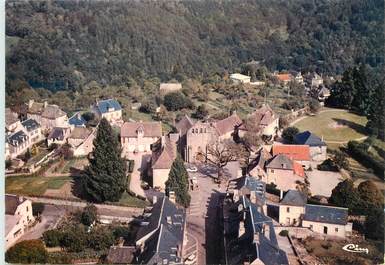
(18, 217)
(318, 148)
(18, 143)
(12, 122)
(58, 135)
(284, 78)
(313, 80)
(139, 136)
(284, 172)
(323, 95)
(202, 134)
(109, 109)
(33, 130)
(162, 240)
(77, 120)
(298, 78)
(182, 126)
(249, 234)
(47, 115)
(327, 220)
(265, 120)
(298, 153)
(165, 88)
(292, 208)
(238, 78)
(81, 141)
(162, 160)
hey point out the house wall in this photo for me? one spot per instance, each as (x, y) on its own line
(292, 217)
(14, 151)
(343, 230)
(14, 126)
(318, 153)
(159, 178)
(25, 211)
(85, 147)
(258, 173)
(137, 144)
(113, 115)
(271, 128)
(35, 136)
(284, 178)
(198, 137)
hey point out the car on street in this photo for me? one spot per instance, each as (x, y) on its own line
(190, 259)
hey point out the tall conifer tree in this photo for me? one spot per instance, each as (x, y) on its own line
(178, 182)
(105, 178)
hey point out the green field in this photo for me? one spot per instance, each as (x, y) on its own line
(33, 186)
(334, 125)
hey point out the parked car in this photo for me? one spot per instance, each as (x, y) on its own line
(192, 169)
(190, 259)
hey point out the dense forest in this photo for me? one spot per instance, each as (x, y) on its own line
(63, 45)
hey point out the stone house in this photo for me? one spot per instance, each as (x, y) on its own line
(313, 79)
(298, 153)
(18, 217)
(284, 172)
(18, 143)
(292, 208)
(58, 135)
(77, 120)
(109, 109)
(238, 78)
(12, 122)
(47, 115)
(81, 140)
(139, 136)
(162, 239)
(318, 148)
(33, 129)
(284, 78)
(327, 220)
(162, 160)
(201, 134)
(182, 126)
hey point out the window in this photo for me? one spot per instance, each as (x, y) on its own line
(272, 170)
(336, 229)
(311, 227)
(201, 130)
(27, 208)
(288, 209)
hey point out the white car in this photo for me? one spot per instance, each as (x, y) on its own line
(192, 169)
(190, 260)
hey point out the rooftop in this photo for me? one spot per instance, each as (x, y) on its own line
(77, 120)
(150, 129)
(308, 138)
(12, 202)
(294, 152)
(294, 198)
(108, 105)
(228, 124)
(239, 76)
(170, 86)
(164, 158)
(17, 138)
(10, 117)
(184, 124)
(30, 125)
(80, 133)
(326, 214)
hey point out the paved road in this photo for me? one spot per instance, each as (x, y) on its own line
(103, 209)
(203, 219)
(135, 181)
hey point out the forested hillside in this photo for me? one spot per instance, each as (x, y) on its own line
(66, 44)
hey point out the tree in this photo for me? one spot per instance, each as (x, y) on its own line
(89, 214)
(289, 133)
(340, 159)
(105, 178)
(370, 194)
(374, 224)
(219, 154)
(66, 151)
(201, 112)
(346, 195)
(101, 238)
(28, 251)
(148, 106)
(178, 182)
(52, 238)
(314, 105)
(176, 101)
(376, 112)
(74, 239)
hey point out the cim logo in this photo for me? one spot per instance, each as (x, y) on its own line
(355, 248)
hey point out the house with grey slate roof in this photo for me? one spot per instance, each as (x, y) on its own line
(33, 129)
(109, 109)
(77, 120)
(316, 144)
(47, 115)
(292, 208)
(161, 241)
(249, 235)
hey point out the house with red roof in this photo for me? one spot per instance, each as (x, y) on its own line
(298, 153)
(284, 78)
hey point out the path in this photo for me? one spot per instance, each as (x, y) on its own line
(135, 181)
(104, 209)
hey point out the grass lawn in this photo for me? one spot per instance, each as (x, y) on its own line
(33, 186)
(128, 200)
(334, 125)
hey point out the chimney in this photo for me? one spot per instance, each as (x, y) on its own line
(256, 237)
(241, 230)
(266, 230)
(79, 115)
(236, 196)
(45, 104)
(322, 138)
(253, 196)
(30, 103)
(154, 199)
(20, 199)
(280, 194)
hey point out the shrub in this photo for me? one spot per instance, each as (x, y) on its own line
(327, 165)
(52, 238)
(271, 188)
(100, 239)
(29, 251)
(74, 239)
(284, 233)
(289, 133)
(148, 106)
(176, 101)
(89, 215)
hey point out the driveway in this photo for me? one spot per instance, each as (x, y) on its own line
(49, 219)
(139, 165)
(323, 182)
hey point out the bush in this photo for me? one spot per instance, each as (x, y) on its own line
(271, 188)
(327, 165)
(148, 106)
(176, 101)
(29, 251)
(52, 238)
(289, 133)
(89, 215)
(74, 239)
(100, 239)
(37, 208)
(284, 233)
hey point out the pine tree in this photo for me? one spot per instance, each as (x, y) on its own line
(105, 178)
(178, 182)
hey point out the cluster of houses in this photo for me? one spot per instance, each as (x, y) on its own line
(47, 122)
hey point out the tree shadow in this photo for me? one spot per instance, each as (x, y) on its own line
(273, 211)
(352, 125)
(214, 229)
